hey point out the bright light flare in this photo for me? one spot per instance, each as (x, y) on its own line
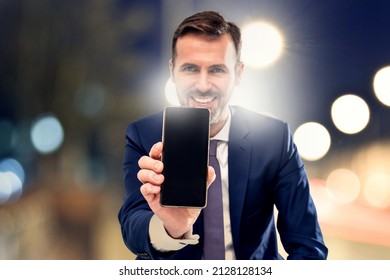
(382, 85)
(350, 113)
(313, 141)
(262, 44)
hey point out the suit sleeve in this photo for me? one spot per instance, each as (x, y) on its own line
(135, 214)
(297, 223)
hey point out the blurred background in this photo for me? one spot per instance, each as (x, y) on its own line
(73, 74)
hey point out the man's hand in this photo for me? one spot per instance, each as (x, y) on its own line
(177, 221)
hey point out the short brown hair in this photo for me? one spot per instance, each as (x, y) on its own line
(210, 24)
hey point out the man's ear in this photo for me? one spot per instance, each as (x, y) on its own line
(239, 70)
(171, 70)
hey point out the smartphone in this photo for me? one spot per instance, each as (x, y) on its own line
(186, 134)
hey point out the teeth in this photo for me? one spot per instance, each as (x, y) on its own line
(203, 100)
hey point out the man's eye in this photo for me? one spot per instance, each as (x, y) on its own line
(217, 70)
(189, 69)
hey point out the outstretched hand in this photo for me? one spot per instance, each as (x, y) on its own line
(176, 221)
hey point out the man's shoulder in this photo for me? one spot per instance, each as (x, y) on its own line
(147, 127)
(256, 119)
(149, 119)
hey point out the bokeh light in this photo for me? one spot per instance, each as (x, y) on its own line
(12, 177)
(313, 141)
(262, 44)
(350, 113)
(343, 185)
(382, 85)
(377, 189)
(47, 134)
(89, 99)
(5, 188)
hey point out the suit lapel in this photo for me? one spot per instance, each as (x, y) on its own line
(239, 161)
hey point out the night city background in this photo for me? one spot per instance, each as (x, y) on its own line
(74, 74)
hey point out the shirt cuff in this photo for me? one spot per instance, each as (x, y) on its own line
(162, 242)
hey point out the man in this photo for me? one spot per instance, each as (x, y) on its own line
(260, 165)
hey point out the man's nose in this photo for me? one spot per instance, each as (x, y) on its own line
(203, 84)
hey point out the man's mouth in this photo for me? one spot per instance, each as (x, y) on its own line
(203, 100)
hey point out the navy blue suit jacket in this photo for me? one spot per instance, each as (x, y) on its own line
(265, 170)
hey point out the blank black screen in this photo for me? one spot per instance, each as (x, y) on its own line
(185, 156)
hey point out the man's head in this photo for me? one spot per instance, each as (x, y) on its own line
(211, 24)
(205, 64)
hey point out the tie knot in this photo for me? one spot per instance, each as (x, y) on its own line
(213, 147)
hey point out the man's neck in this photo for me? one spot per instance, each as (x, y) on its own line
(215, 128)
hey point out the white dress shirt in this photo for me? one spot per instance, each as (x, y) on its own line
(163, 242)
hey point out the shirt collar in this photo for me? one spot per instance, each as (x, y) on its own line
(223, 134)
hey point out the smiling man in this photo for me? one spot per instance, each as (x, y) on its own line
(259, 166)
(205, 70)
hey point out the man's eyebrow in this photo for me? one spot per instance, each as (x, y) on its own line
(188, 65)
(218, 66)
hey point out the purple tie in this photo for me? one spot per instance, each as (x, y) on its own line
(214, 241)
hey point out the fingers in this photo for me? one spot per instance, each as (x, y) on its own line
(152, 162)
(150, 191)
(151, 166)
(156, 150)
(149, 176)
(149, 163)
(150, 173)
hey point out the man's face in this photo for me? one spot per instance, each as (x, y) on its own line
(205, 72)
